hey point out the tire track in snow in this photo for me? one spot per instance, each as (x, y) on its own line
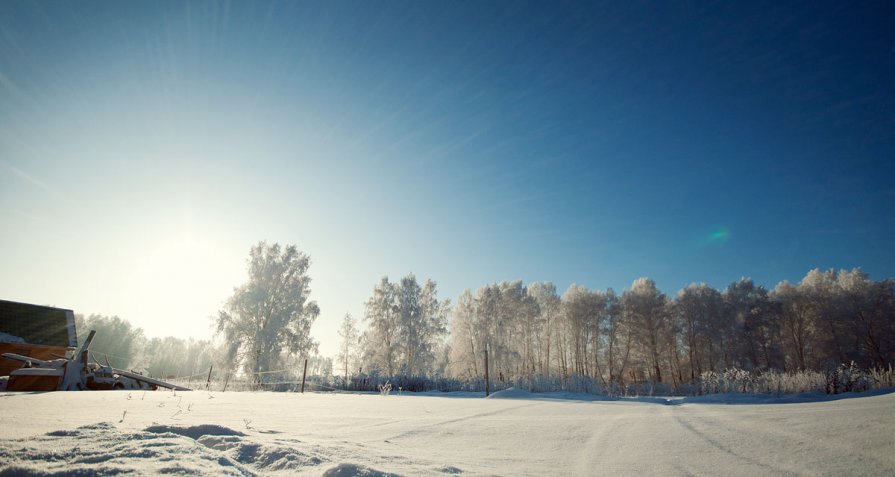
(784, 437)
(638, 439)
(758, 467)
(420, 429)
(594, 451)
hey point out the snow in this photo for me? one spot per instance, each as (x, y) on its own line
(8, 338)
(511, 393)
(513, 433)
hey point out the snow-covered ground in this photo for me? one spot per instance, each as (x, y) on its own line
(201, 433)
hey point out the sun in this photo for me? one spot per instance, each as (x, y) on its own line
(176, 284)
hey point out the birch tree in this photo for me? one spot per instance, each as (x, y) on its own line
(646, 313)
(381, 338)
(271, 313)
(348, 348)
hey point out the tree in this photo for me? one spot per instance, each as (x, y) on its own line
(584, 312)
(270, 314)
(172, 357)
(868, 307)
(465, 352)
(117, 341)
(618, 339)
(819, 288)
(350, 336)
(411, 323)
(797, 327)
(381, 338)
(698, 309)
(548, 306)
(433, 328)
(406, 325)
(645, 310)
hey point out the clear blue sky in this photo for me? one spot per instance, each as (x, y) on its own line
(145, 146)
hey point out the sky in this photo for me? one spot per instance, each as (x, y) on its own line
(146, 146)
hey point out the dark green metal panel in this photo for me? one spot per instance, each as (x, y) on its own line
(40, 325)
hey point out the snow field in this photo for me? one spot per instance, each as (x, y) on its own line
(200, 433)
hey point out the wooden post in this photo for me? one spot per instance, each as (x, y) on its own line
(208, 382)
(487, 384)
(226, 381)
(303, 374)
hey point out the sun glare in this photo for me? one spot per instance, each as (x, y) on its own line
(183, 280)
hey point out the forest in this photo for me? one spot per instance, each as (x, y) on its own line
(591, 340)
(641, 335)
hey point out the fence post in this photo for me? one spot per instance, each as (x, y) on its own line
(487, 384)
(303, 374)
(226, 381)
(208, 382)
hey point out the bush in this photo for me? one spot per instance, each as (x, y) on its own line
(845, 378)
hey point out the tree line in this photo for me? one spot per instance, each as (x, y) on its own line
(530, 331)
(120, 344)
(827, 319)
(640, 335)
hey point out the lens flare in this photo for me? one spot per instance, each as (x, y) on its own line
(719, 236)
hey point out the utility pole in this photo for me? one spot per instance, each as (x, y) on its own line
(487, 383)
(208, 382)
(303, 374)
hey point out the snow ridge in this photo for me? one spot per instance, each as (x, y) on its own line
(206, 449)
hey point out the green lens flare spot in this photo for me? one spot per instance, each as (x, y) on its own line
(719, 236)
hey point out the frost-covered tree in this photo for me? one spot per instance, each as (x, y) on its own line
(698, 309)
(645, 310)
(548, 306)
(584, 312)
(488, 326)
(433, 328)
(755, 319)
(320, 366)
(515, 318)
(618, 336)
(271, 314)
(381, 337)
(501, 308)
(869, 308)
(172, 357)
(797, 327)
(117, 341)
(124, 346)
(465, 351)
(411, 324)
(350, 340)
(406, 326)
(819, 288)
(829, 318)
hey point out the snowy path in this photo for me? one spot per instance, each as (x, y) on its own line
(264, 433)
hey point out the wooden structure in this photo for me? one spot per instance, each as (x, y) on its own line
(41, 332)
